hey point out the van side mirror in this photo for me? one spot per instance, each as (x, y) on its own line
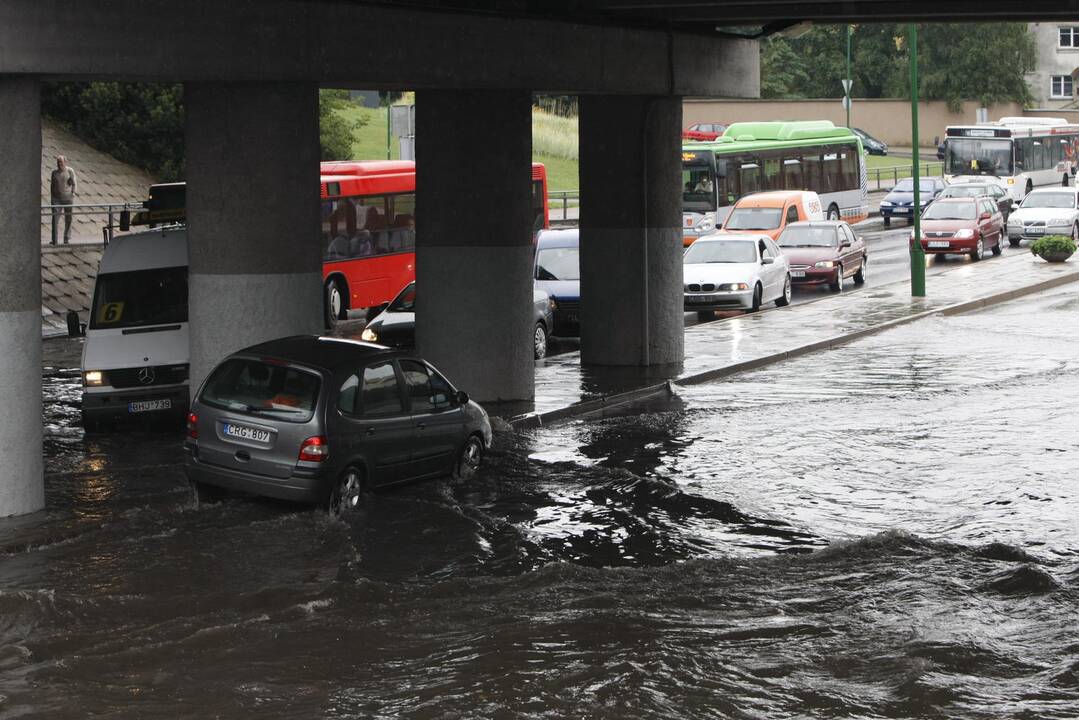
(462, 397)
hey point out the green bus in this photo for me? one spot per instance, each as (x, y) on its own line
(756, 156)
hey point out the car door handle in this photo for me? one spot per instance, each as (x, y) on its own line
(421, 426)
(370, 431)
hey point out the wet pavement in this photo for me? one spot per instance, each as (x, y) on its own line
(882, 530)
(712, 347)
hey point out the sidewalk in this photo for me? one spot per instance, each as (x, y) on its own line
(716, 349)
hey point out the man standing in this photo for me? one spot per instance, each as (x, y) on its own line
(62, 191)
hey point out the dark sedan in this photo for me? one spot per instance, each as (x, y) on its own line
(323, 420)
(824, 251)
(870, 143)
(395, 325)
(899, 202)
(1004, 202)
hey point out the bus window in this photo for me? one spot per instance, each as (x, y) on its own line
(773, 179)
(831, 172)
(403, 226)
(792, 174)
(848, 160)
(698, 187)
(354, 227)
(811, 169)
(749, 177)
(726, 184)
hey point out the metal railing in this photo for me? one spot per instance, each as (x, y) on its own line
(885, 178)
(560, 202)
(109, 213)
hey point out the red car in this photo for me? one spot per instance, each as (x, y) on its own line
(824, 251)
(703, 131)
(962, 226)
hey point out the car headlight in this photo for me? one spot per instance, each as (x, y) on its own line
(964, 234)
(734, 287)
(706, 225)
(885, 203)
(1060, 221)
(912, 235)
(93, 378)
(369, 335)
(924, 201)
(825, 264)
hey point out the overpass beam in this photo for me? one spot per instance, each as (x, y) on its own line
(631, 241)
(253, 218)
(474, 239)
(22, 485)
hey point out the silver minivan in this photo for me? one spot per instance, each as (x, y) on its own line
(322, 420)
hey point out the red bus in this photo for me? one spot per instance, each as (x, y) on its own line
(369, 231)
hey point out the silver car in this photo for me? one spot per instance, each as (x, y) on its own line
(1045, 211)
(322, 420)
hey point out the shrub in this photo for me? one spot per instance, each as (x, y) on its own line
(1052, 244)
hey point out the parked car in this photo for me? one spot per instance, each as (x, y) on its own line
(870, 143)
(1045, 211)
(739, 272)
(703, 131)
(558, 273)
(825, 251)
(395, 324)
(993, 190)
(771, 212)
(962, 226)
(322, 420)
(900, 200)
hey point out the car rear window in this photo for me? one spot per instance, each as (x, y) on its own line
(261, 388)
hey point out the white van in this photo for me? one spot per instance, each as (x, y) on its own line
(136, 355)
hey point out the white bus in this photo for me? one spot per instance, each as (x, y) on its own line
(1023, 152)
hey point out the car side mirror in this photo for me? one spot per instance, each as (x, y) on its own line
(1015, 205)
(767, 260)
(374, 311)
(985, 216)
(462, 397)
(844, 244)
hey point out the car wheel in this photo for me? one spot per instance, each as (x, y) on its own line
(887, 221)
(539, 342)
(1075, 232)
(334, 304)
(758, 292)
(839, 282)
(785, 299)
(346, 495)
(999, 247)
(859, 277)
(470, 459)
(833, 213)
(979, 250)
(1014, 242)
(1064, 180)
(706, 315)
(203, 494)
(1030, 187)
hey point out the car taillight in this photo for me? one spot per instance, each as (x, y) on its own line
(193, 426)
(314, 449)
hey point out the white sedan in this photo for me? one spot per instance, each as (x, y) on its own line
(735, 272)
(1045, 211)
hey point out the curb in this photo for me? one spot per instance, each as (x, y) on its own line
(599, 406)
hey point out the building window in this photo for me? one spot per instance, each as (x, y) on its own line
(1061, 86)
(1069, 37)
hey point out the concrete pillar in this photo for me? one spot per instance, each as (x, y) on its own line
(631, 242)
(22, 485)
(474, 240)
(253, 216)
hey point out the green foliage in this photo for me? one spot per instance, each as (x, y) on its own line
(138, 123)
(143, 123)
(974, 61)
(336, 127)
(1052, 245)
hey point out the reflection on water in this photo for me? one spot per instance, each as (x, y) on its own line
(885, 530)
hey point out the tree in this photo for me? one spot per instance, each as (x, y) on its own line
(981, 61)
(143, 123)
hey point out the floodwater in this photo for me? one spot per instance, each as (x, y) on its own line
(884, 530)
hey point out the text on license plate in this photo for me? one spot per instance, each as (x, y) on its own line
(246, 433)
(939, 243)
(149, 405)
(798, 273)
(1035, 231)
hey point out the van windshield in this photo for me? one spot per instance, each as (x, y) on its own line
(262, 388)
(157, 296)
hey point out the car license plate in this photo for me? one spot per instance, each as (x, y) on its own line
(798, 273)
(1035, 231)
(149, 405)
(243, 432)
(699, 299)
(939, 244)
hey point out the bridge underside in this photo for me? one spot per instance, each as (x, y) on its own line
(251, 70)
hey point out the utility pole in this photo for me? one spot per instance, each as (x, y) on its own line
(917, 255)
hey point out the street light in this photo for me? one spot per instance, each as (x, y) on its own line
(917, 255)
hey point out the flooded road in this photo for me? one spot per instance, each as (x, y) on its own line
(884, 530)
